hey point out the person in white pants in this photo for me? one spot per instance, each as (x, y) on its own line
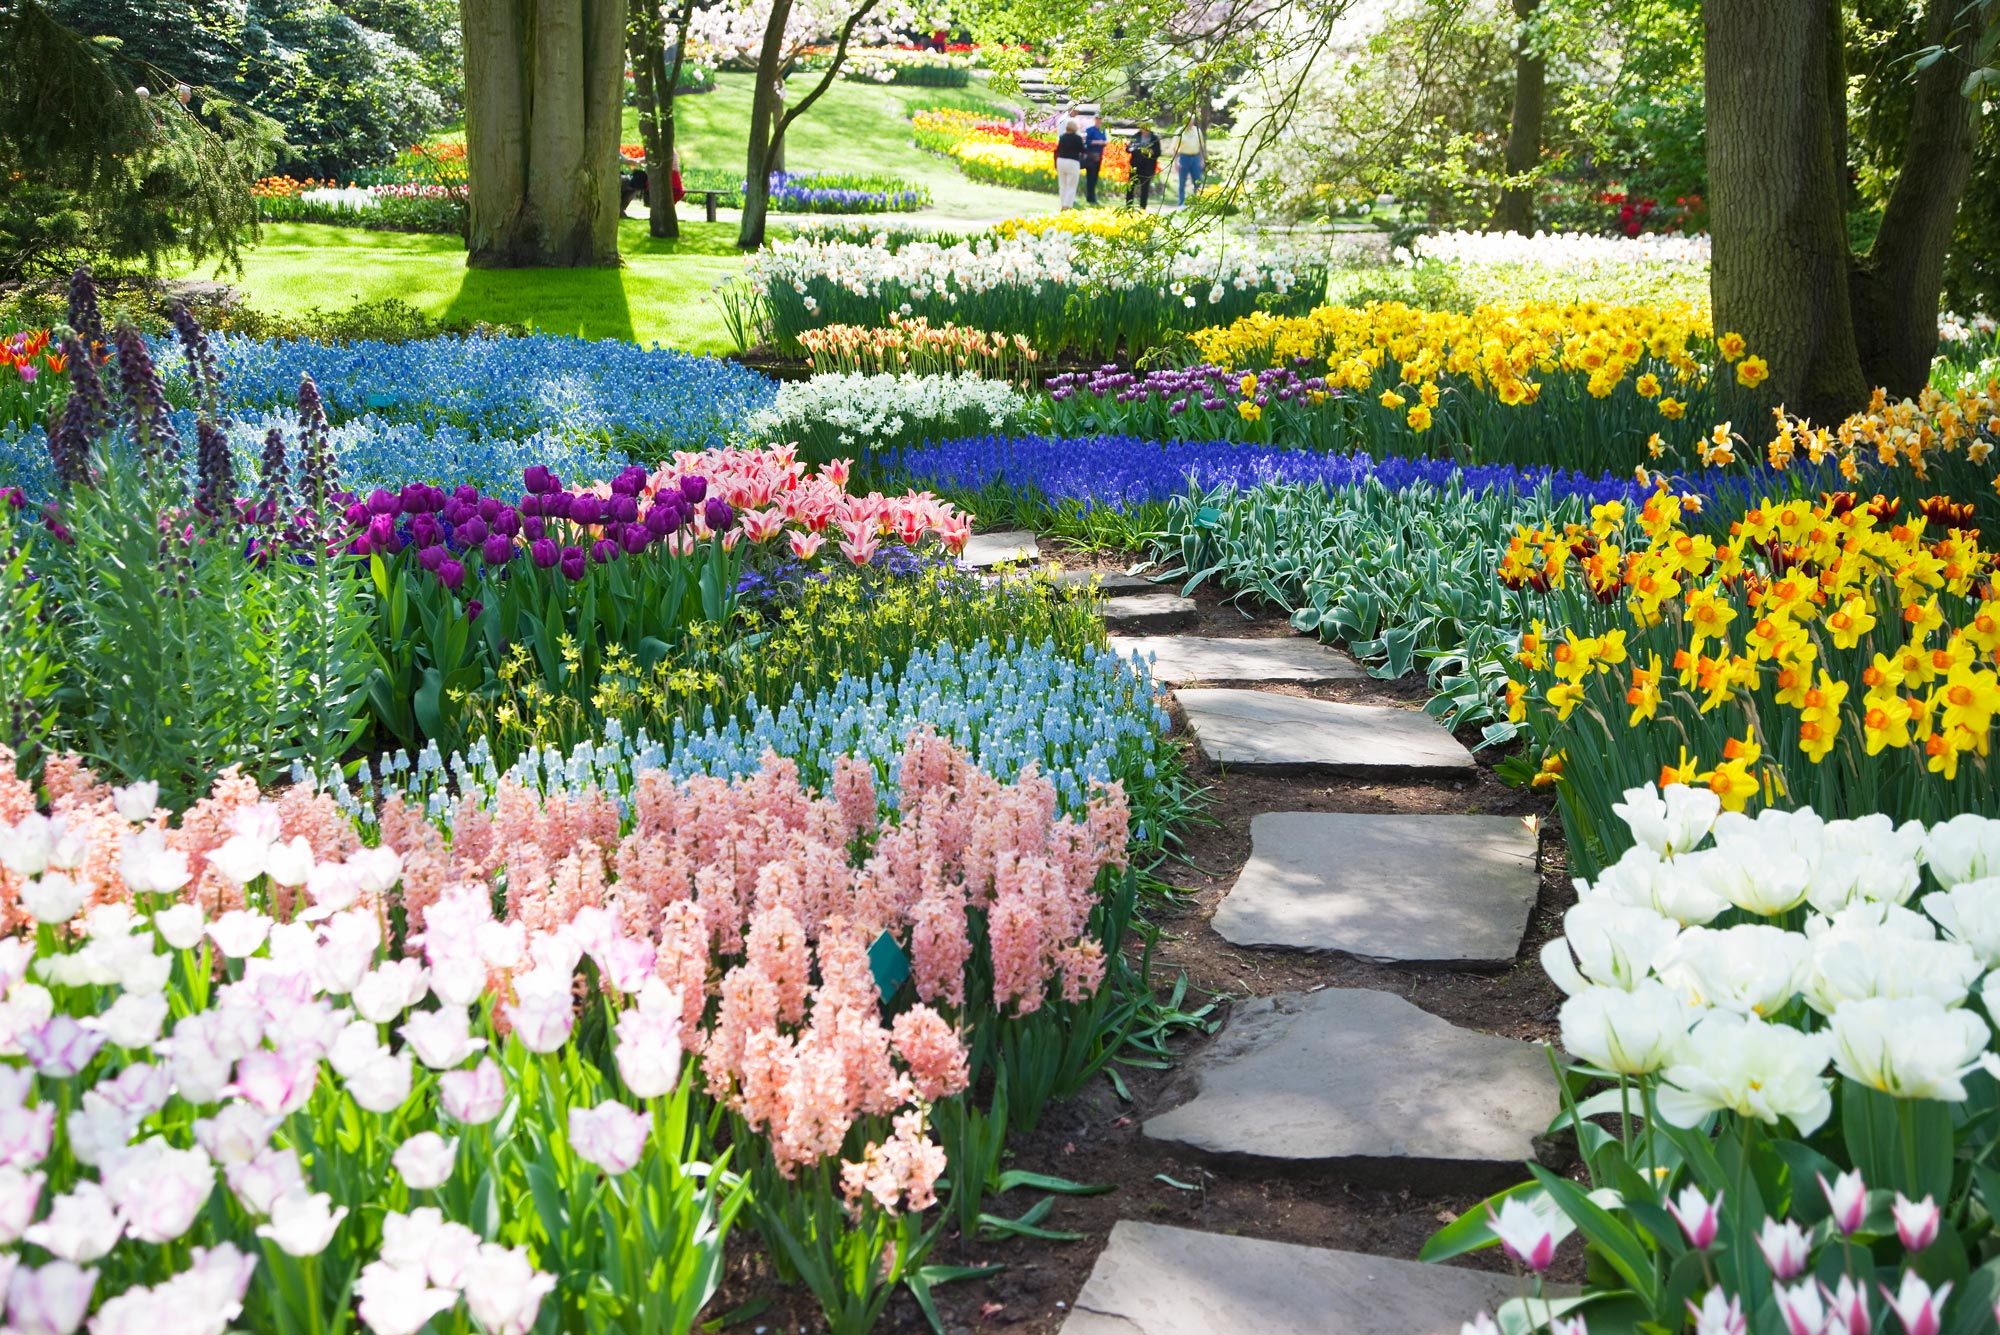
(1069, 164)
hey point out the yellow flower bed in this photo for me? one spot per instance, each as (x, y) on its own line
(1116, 224)
(917, 346)
(990, 159)
(1930, 432)
(1858, 635)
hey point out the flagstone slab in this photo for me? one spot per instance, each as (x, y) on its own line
(1260, 732)
(1152, 1279)
(1363, 1085)
(1290, 658)
(1105, 581)
(1148, 612)
(1440, 890)
(1009, 546)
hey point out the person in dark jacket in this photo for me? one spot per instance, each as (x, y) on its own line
(1094, 140)
(1145, 152)
(1069, 164)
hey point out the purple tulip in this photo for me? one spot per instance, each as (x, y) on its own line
(634, 538)
(572, 562)
(539, 480)
(431, 558)
(585, 509)
(414, 498)
(693, 489)
(457, 512)
(534, 528)
(543, 553)
(425, 530)
(382, 533)
(466, 493)
(488, 508)
(531, 504)
(472, 532)
(603, 551)
(718, 514)
(624, 509)
(356, 514)
(473, 609)
(381, 502)
(496, 550)
(556, 504)
(507, 521)
(662, 520)
(453, 575)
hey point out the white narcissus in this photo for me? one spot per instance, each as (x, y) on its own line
(1631, 1033)
(1732, 1063)
(1908, 1047)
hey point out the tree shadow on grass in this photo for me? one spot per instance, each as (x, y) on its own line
(590, 303)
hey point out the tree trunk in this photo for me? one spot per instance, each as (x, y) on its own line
(765, 106)
(647, 47)
(543, 79)
(1516, 212)
(1896, 286)
(1779, 271)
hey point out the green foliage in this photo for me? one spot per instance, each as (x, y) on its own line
(30, 657)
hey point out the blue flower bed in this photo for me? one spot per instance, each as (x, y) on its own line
(1094, 720)
(1124, 472)
(799, 193)
(649, 400)
(368, 451)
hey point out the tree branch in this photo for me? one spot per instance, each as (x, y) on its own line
(826, 80)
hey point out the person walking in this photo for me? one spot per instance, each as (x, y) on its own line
(1145, 154)
(1069, 164)
(1190, 156)
(1094, 141)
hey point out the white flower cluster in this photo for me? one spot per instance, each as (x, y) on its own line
(354, 197)
(866, 410)
(1562, 250)
(1956, 328)
(922, 269)
(1746, 1017)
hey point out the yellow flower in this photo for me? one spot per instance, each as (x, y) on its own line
(1732, 781)
(1752, 372)
(1249, 411)
(1648, 386)
(1708, 618)
(1517, 702)
(1887, 723)
(1248, 385)
(1564, 697)
(1391, 399)
(1644, 694)
(1420, 419)
(1731, 345)
(1607, 517)
(1428, 393)
(1672, 409)
(1550, 773)
(1849, 622)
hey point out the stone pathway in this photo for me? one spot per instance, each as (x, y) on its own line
(1007, 547)
(1450, 890)
(1349, 1083)
(1153, 1280)
(1262, 733)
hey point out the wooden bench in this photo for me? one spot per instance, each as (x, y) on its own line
(632, 188)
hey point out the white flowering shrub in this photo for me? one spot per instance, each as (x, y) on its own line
(1789, 1020)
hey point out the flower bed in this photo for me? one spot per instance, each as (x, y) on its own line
(1727, 1172)
(272, 1136)
(396, 206)
(1050, 288)
(1833, 652)
(31, 379)
(842, 416)
(817, 192)
(1615, 384)
(1003, 154)
(916, 347)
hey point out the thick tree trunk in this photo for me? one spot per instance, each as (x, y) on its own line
(543, 79)
(765, 107)
(1516, 212)
(1779, 272)
(1896, 286)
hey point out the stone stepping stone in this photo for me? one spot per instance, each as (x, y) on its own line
(1010, 546)
(1154, 1280)
(1262, 733)
(1148, 612)
(1107, 581)
(1441, 890)
(1366, 1086)
(1179, 658)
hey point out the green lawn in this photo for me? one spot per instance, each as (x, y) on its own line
(854, 127)
(659, 296)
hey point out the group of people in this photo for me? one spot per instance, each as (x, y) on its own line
(1080, 157)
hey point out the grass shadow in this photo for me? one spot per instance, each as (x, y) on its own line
(587, 302)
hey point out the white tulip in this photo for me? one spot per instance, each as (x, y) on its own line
(1629, 1032)
(1970, 912)
(181, 926)
(1669, 822)
(53, 897)
(1908, 1047)
(1964, 848)
(1754, 1069)
(149, 867)
(136, 802)
(1643, 878)
(1867, 859)
(1752, 969)
(1853, 960)
(302, 1224)
(1760, 878)
(1615, 945)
